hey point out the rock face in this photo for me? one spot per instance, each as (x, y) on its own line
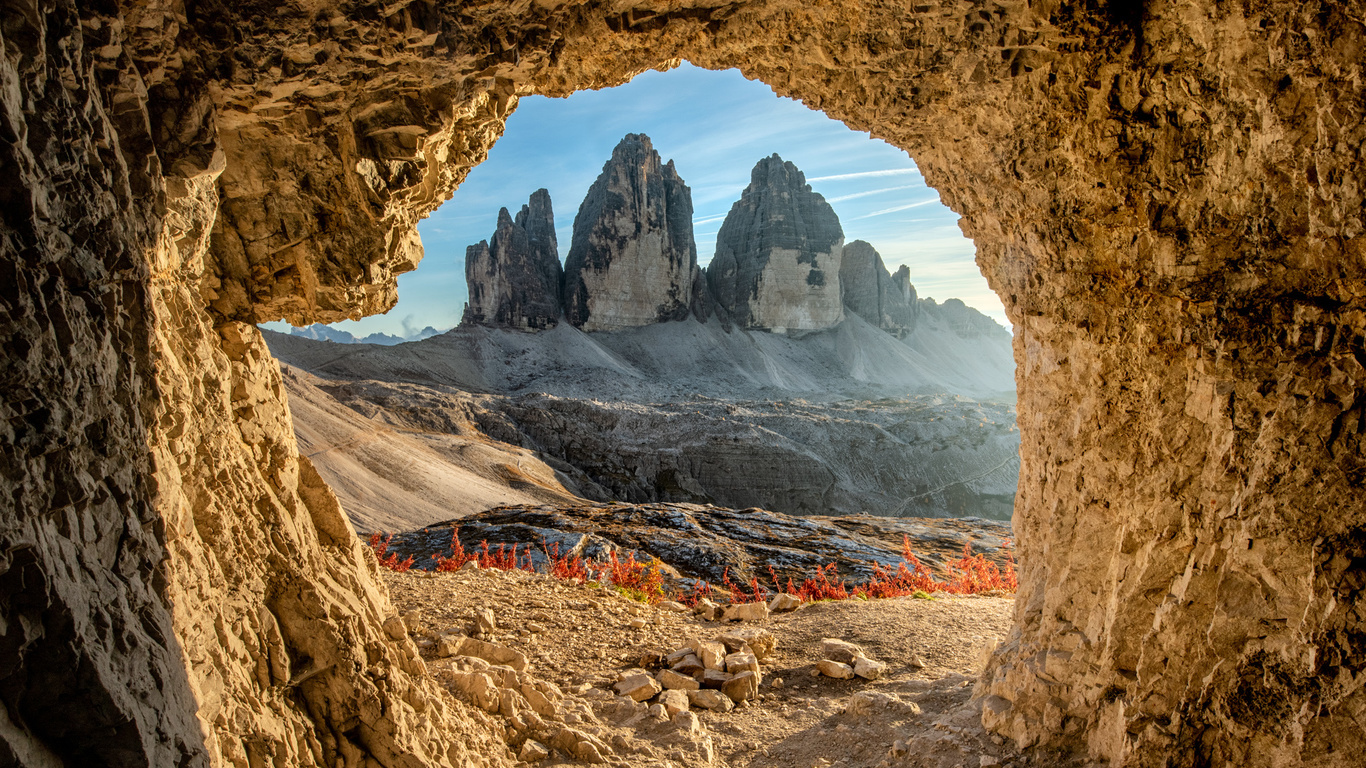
(777, 263)
(869, 291)
(515, 277)
(1166, 196)
(632, 261)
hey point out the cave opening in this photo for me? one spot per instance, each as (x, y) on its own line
(1171, 218)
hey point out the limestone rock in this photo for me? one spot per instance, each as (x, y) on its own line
(689, 665)
(756, 611)
(708, 610)
(493, 653)
(741, 661)
(672, 680)
(712, 699)
(835, 669)
(533, 752)
(777, 262)
(783, 603)
(871, 292)
(674, 701)
(742, 687)
(840, 650)
(713, 678)
(639, 687)
(515, 277)
(758, 640)
(632, 260)
(869, 669)
(711, 653)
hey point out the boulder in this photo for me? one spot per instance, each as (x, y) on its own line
(759, 640)
(742, 687)
(639, 687)
(674, 701)
(532, 751)
(712, 699)
(493, 653)
(834, 669)
(741, 661)
(689, 665)
(784, 602)
(869, 669)
(840, 650)
(746, 612)
(672, 680)
(711, 653)
(713, 678)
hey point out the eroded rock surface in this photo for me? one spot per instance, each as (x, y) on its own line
(514, 278)
(777, 262)
(633, 261)
(1166, 196)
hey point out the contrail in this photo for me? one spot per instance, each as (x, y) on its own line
(894, 210)
(869, 192)
(865, 174)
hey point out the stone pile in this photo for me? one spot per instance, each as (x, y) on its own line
(716, 675)
(843, 660)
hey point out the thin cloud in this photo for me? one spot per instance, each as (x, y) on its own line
(896, 208)
(865, 174)
(709, 219)
(857, 195)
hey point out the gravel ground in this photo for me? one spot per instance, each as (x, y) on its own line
(581, 638)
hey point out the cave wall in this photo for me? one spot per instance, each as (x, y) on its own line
(1167, 200)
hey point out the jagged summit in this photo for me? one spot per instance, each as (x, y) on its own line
(871, 292)
(515, 277)
(632, 261)
(781, 263)
(778, 253)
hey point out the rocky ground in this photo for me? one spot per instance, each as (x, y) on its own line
(574, 644)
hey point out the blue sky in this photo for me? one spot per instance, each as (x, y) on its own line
(715, 126)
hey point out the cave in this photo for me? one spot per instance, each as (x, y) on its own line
(1166, 196)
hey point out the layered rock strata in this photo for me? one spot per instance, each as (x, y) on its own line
(871, 292)
(514, 278)
(777, 262)
(632, 261)
(1167, 197)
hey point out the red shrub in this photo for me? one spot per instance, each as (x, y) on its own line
(380, 546)
(569, 567)
(643, 581)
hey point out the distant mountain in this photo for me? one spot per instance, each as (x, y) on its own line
(320, 332)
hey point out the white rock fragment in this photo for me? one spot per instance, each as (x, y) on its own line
(639, 687)
(835, 669)
(868, 669)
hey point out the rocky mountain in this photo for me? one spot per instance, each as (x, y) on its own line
(871, 292)
(515, 279)
(632, 261)
(321, 332)
(777, 262)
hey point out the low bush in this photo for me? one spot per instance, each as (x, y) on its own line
(968, 574)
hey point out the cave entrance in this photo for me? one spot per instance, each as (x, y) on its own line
(757, 393)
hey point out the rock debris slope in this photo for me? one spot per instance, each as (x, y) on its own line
(632, 261)
(1166, 196)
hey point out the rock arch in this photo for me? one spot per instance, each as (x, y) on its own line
(1168, 200)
